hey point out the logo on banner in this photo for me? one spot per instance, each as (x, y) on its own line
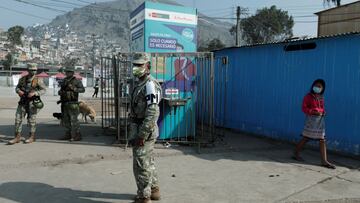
(159, 15)
(188, 34)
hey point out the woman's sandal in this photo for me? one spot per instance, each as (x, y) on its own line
(328, 165)
(297, 158)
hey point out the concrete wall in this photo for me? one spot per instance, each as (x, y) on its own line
(4, 81)
(340, 20)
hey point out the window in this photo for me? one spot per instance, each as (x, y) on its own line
(298, 47)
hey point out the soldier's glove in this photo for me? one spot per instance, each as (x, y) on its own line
(21, 93)
(31, 94)
(140, 142)
(71, 87)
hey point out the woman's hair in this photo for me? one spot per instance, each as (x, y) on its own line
(322, 82)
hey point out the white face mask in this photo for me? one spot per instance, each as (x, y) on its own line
(317, 90)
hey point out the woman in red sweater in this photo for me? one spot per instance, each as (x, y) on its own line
(314, 129)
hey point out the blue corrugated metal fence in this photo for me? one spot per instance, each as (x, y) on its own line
(262, 88)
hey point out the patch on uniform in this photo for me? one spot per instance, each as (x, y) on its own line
(153, 95)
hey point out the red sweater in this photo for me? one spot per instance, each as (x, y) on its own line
(312, 104)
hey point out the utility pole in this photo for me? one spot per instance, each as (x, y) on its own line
(238, 13)
(93, 50)
(93, 56)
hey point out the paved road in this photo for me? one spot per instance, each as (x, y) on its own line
(241, 168)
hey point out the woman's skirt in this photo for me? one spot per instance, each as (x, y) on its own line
(314, 127)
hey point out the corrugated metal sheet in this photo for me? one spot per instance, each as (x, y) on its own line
(299, 40)
(261, 89)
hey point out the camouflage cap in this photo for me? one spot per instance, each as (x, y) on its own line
(69, 69)
(141, 58)
(31, 66)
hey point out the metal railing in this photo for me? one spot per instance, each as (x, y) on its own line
(187, 105)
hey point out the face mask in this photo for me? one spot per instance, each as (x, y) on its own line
(317, 90)
(32, 72)
(138, 71)
(69, 74)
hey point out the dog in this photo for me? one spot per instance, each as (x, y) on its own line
(87, 110)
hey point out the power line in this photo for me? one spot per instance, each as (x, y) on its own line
(24, 13)
(55, 8)
(74, 4)
(40, 6)
(217, 9)
(85, 1)
(56, 5)
(219, 13)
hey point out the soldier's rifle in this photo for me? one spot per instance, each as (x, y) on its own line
(25, 100)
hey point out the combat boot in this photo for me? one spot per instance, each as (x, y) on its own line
(155, 193)
(143, 200)
(31, 139)
(67, 136)
(76, 137)
(15, 140)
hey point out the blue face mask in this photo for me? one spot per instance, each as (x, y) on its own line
(317, 90)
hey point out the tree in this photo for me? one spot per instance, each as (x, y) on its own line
(267, 25)
(336, 2)
(14, 36)
(214, 44)
(9, 61)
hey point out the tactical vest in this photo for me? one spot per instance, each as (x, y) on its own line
(68, 94)
(23, 84)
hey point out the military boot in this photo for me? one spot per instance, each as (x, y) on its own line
(67, 136)
(15, 140)
(76, 137)
(155, 193)
(31, 139)
(143, 200)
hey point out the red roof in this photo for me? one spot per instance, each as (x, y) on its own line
(78, 76)
(59, 76)
(42, 75)
(24, 73)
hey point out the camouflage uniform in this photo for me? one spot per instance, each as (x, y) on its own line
(27, 107)
(69, 98)
(143, 126)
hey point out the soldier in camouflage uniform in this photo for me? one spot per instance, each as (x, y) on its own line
(143, 131)
(69, 99)
(29, 90)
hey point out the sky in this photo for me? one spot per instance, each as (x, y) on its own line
(13, 12)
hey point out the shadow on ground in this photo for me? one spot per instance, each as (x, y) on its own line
(51, 131)
(31, 192)
(247, 147)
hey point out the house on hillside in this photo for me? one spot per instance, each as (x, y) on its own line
(338, 20)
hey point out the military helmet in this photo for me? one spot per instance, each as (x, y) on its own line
(69, 69)
(31, 66)
(141, 58)
(38, 103)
